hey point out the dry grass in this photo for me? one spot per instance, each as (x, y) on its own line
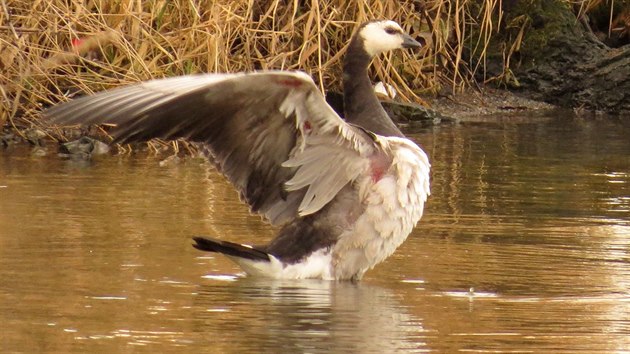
(53, 49)
(50, 50)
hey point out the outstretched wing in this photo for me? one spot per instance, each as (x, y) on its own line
(270, 133)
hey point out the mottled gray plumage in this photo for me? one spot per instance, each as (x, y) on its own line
(237, 116)
(288, 154)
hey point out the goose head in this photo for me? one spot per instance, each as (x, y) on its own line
(381, 36)
(360, 104)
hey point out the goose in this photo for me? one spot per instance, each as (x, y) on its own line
(343, 194)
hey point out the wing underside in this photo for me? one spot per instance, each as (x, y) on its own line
(271, 133)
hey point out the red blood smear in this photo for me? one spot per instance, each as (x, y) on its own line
(290, 82)
(378, 167)
(377, 174)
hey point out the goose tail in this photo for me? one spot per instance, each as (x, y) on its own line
(230, 249)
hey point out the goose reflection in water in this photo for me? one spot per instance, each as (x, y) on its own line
(303, 316)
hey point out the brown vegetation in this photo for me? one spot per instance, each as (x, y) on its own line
(51, 50)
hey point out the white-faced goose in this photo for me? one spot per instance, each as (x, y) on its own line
(344, 196)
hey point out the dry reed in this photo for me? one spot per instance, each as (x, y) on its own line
(51, 50)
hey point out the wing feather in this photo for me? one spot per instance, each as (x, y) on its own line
(263, 130)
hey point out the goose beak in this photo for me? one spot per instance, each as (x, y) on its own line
(409, 42)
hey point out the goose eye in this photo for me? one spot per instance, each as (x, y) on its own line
(391, 30)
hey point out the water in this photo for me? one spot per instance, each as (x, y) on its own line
(524, 247)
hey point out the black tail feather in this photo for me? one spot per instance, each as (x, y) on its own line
(230, 249)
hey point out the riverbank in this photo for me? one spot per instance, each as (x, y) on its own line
(486, 103)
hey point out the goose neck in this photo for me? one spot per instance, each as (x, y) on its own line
(361, 106)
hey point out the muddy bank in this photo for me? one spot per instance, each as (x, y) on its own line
(486, 104)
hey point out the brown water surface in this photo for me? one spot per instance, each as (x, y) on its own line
(524, 247)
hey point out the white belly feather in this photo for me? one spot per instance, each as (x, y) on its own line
(393, 206)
